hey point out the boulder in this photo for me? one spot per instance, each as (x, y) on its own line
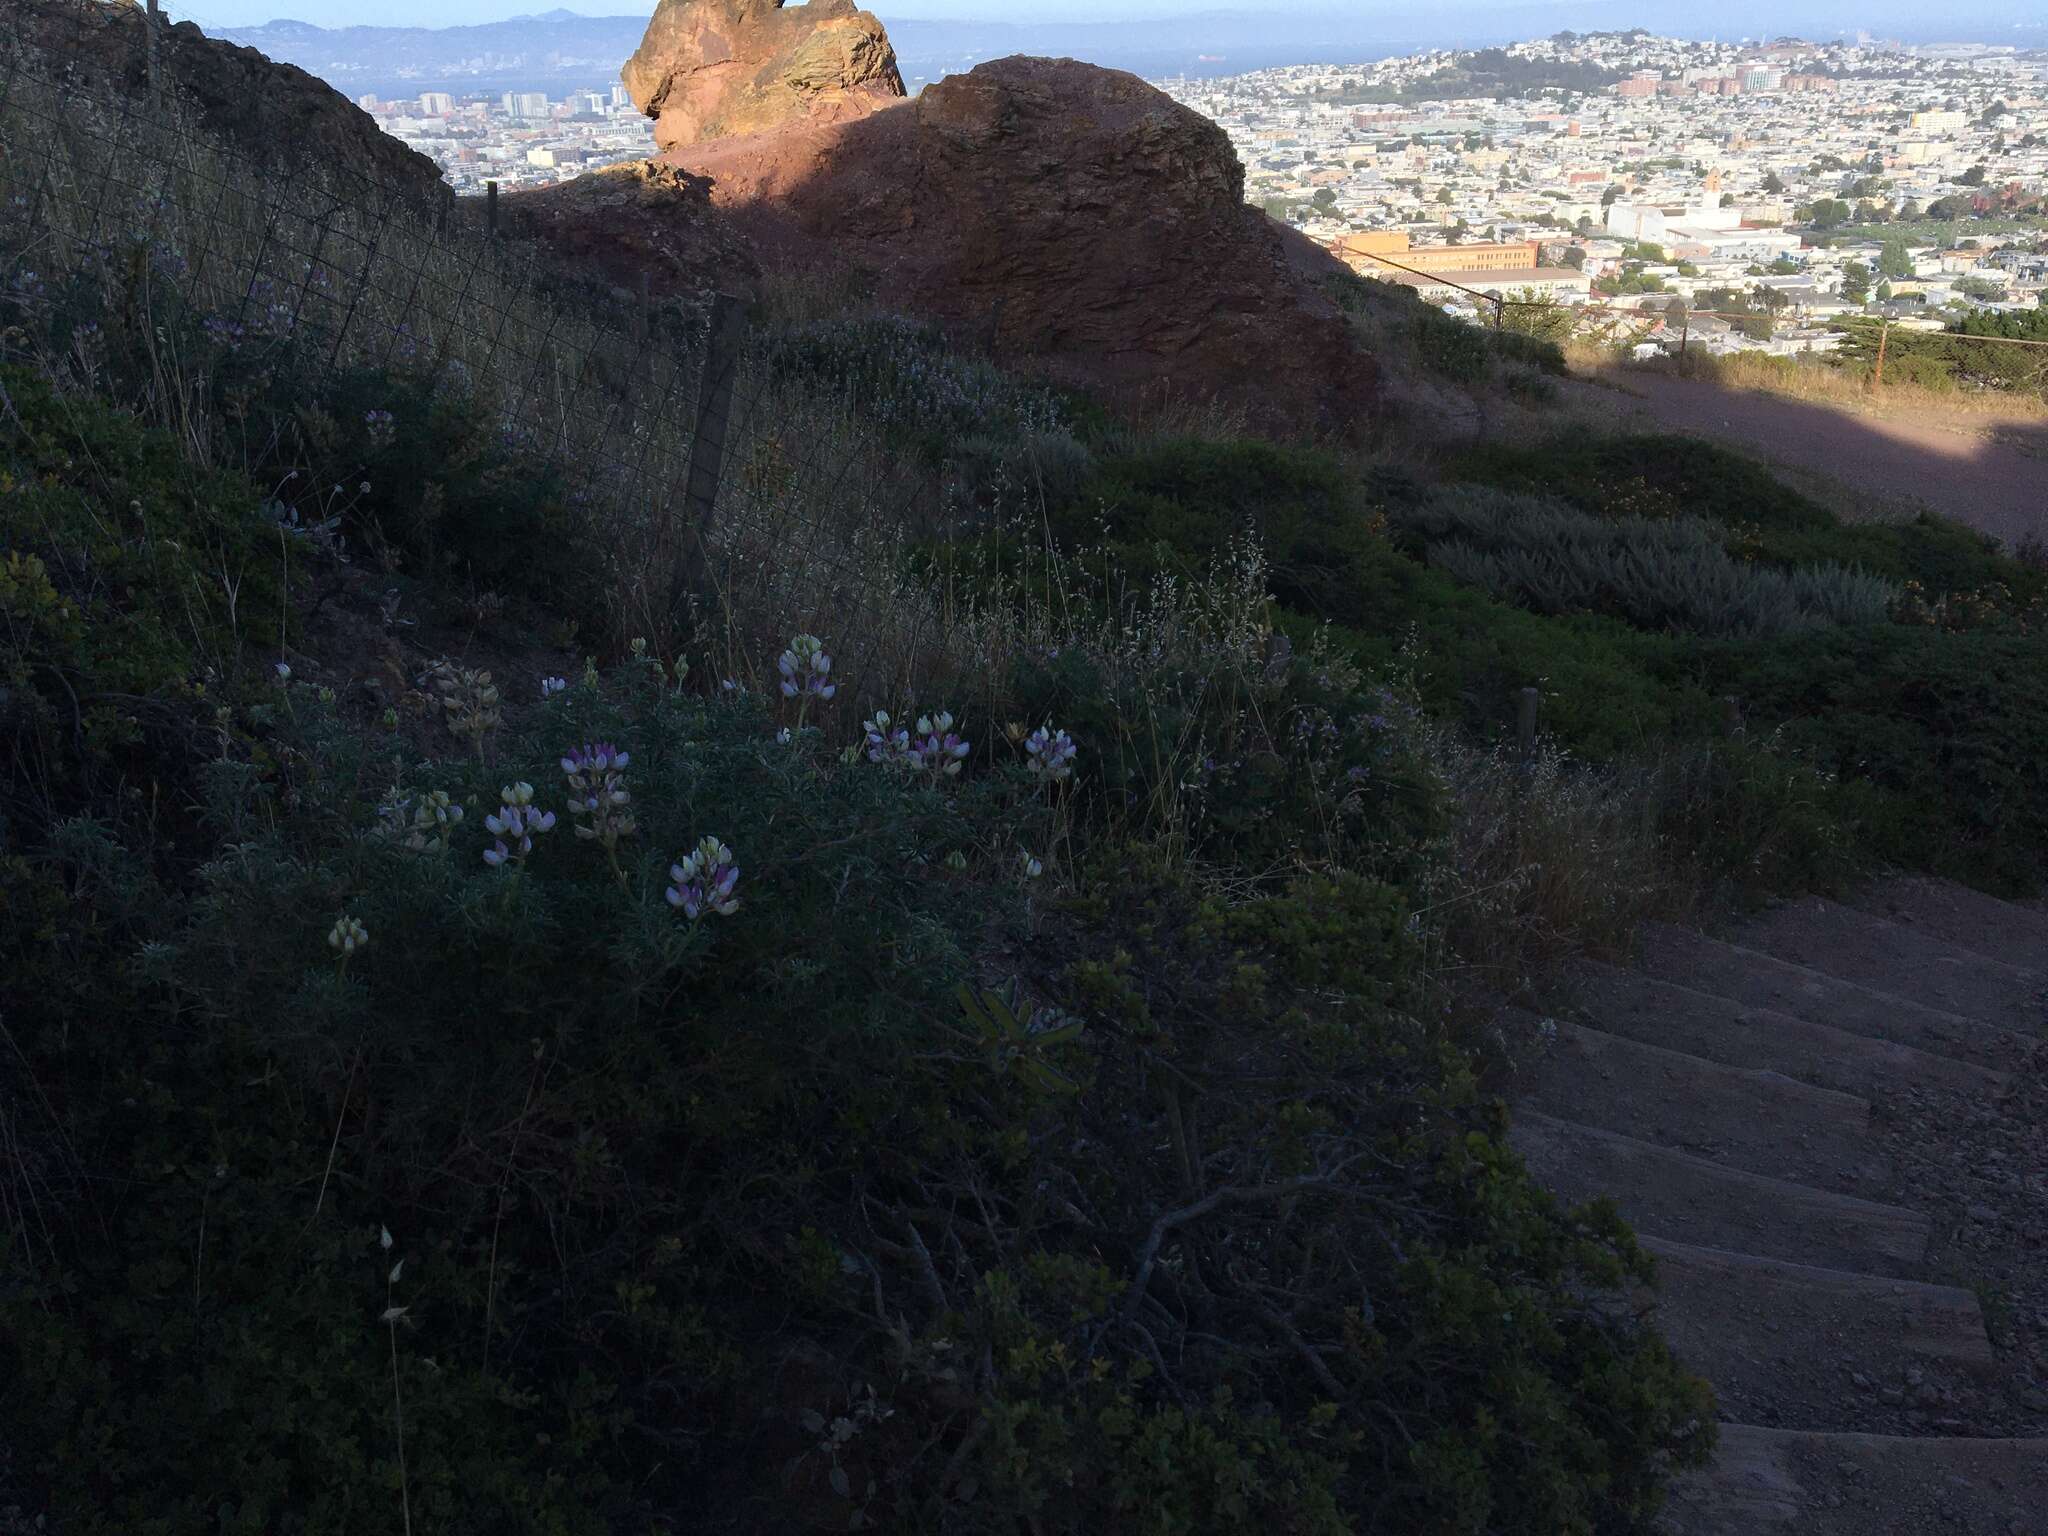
(641, 220)
(1069, 215)
(275, 115)
(710, 69)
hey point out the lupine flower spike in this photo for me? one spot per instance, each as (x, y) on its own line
(1050, 753)
(346, 937)
(806, 674)
(705, 881)
(432, 819)
(937, 747)
(598, 797)
(887, 742)
(515, 824)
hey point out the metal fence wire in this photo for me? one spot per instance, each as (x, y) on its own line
(147, 251)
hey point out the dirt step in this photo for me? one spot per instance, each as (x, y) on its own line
(1722, 1029)
(1761, 1122)
(1669, 1194)
(1778, 1482)
(1957, 915)
(1805, 1348)
(1905, 961)
(1748, 976)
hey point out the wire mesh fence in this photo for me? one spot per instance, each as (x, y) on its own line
(227, 289)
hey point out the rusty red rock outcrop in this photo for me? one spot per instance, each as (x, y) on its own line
(710, 69)
(1073, 215)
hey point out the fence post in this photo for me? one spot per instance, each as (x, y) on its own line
(151, 20)
(707, 447)
(1684, 331)
(491, 207)
(1877, 373)
(1500, 310)
(1526, 703)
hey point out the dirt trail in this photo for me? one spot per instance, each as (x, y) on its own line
(1829, 1127)
(1988, 473)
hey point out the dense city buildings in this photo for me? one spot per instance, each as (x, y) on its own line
(517, 138)
(1722, 183)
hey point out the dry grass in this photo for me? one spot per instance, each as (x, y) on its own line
(1817, 381)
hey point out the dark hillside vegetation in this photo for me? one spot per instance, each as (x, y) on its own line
(960, 1003)
(480, 1055)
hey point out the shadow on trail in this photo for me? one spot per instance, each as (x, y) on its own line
(1992, 477)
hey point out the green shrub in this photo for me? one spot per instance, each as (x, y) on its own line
(1950, 727)
(1673, 476)
(125, 579)
(907, 380)
(1176, 505)
(786, 1216)
(1658, 573)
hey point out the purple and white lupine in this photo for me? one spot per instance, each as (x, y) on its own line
(550, 686)
(515, 824)
(1051, 754)
(887, 742)
(806, 670)
(598, 797)
(937, 748)
(381, 427)
(706, 880)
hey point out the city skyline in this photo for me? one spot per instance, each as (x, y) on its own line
(1968, 20)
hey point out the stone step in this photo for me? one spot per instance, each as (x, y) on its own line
(1781, 1482)
(1785, 1344)
(1638, 1005)
(1728, 970)
(1955, 914)
(1670, 1194)
(1760, 1122)
(1905, 961)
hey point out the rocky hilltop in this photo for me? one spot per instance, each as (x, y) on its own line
(1070, 215)
(708, 69)
(276, 114)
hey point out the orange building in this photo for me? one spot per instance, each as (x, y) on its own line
(1359, 250)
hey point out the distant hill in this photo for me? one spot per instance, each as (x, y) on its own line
(561, 49)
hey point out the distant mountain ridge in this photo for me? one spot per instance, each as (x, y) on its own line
(563, 49)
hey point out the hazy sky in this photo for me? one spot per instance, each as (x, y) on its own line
(1524, 18)
(451, 13)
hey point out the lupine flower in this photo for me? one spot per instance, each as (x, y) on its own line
(937, 746)
(784, 736)
(598, 797)
(887, 742)
(550, 686)
(347, 936)
(705, 881)
(806, 669)
(1051, 754)
(284, 672)
(433, 819)
(1033, 867)
(515, 824)
(381, 426)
